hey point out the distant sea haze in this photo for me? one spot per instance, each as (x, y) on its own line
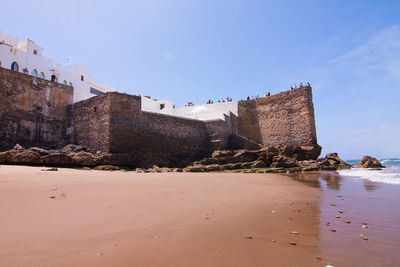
(389, 175)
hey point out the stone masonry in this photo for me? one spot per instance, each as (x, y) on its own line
(39, 112)
(286, 118)
(33, 111)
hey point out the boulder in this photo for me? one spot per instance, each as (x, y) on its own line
(74, 148)
(57, 159)
(266, 156)
(311, 167)
(155, 168)
(334, 160)
(246, 165)
(245, 156)
(231, 166)
(83, 158)
(226, 157)
(3, 157)
(258, 164)
(18, 148)
(209, 161)
(40, 151)
(308, 152)
(106, 168)
(196, 168)
(222, 153)
(214, 167)
(283, 162)
(288, 151)
(23, 157)
(369, 162)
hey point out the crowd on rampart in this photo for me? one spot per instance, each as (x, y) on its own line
(266, 94)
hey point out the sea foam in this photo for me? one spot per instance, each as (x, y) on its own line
(389, 175)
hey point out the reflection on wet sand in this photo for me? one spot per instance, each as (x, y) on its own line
(358, 219)
(332, 179)
(311, 179)
(316, 179)
(369, 185)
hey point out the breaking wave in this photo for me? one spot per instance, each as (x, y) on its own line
(390, 162)
(389, 175)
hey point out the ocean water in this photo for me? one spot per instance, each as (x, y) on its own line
(388, 175)
(362, 206)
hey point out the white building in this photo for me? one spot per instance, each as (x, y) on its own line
(200, 112)
(26, 57)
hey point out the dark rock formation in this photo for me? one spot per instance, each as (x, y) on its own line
(69, 156)
(106, 168)
(332, 159)
(271, 159)
(369, 162)
(284, 162)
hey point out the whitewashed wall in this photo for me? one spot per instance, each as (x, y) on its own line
(200, 112)
(23, 53)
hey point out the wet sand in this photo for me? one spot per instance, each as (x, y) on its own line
(346, 205)
(97, 218)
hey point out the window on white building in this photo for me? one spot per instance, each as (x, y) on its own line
(14, 66)
(82, 78)
(34, 73)
(42, 75)
(54, 78)
(35, 52)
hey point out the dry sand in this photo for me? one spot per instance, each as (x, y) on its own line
(100, 218)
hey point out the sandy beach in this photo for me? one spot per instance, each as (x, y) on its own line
(98, 218)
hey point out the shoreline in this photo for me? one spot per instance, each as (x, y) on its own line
(103, 218)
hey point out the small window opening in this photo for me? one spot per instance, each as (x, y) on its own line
(162, 106)
(82, 78)
(95, 109)
(53, 78)
(35, 52)
(14, 66)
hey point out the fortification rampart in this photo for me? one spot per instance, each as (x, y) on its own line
(33, 111)
(114, 123)
(37, 112)
(286, 118)
(90, 123)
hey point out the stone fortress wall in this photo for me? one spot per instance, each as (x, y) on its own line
(116, 124)
(32, 111)
(285, 118)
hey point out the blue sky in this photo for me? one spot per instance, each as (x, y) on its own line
(194, 50)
